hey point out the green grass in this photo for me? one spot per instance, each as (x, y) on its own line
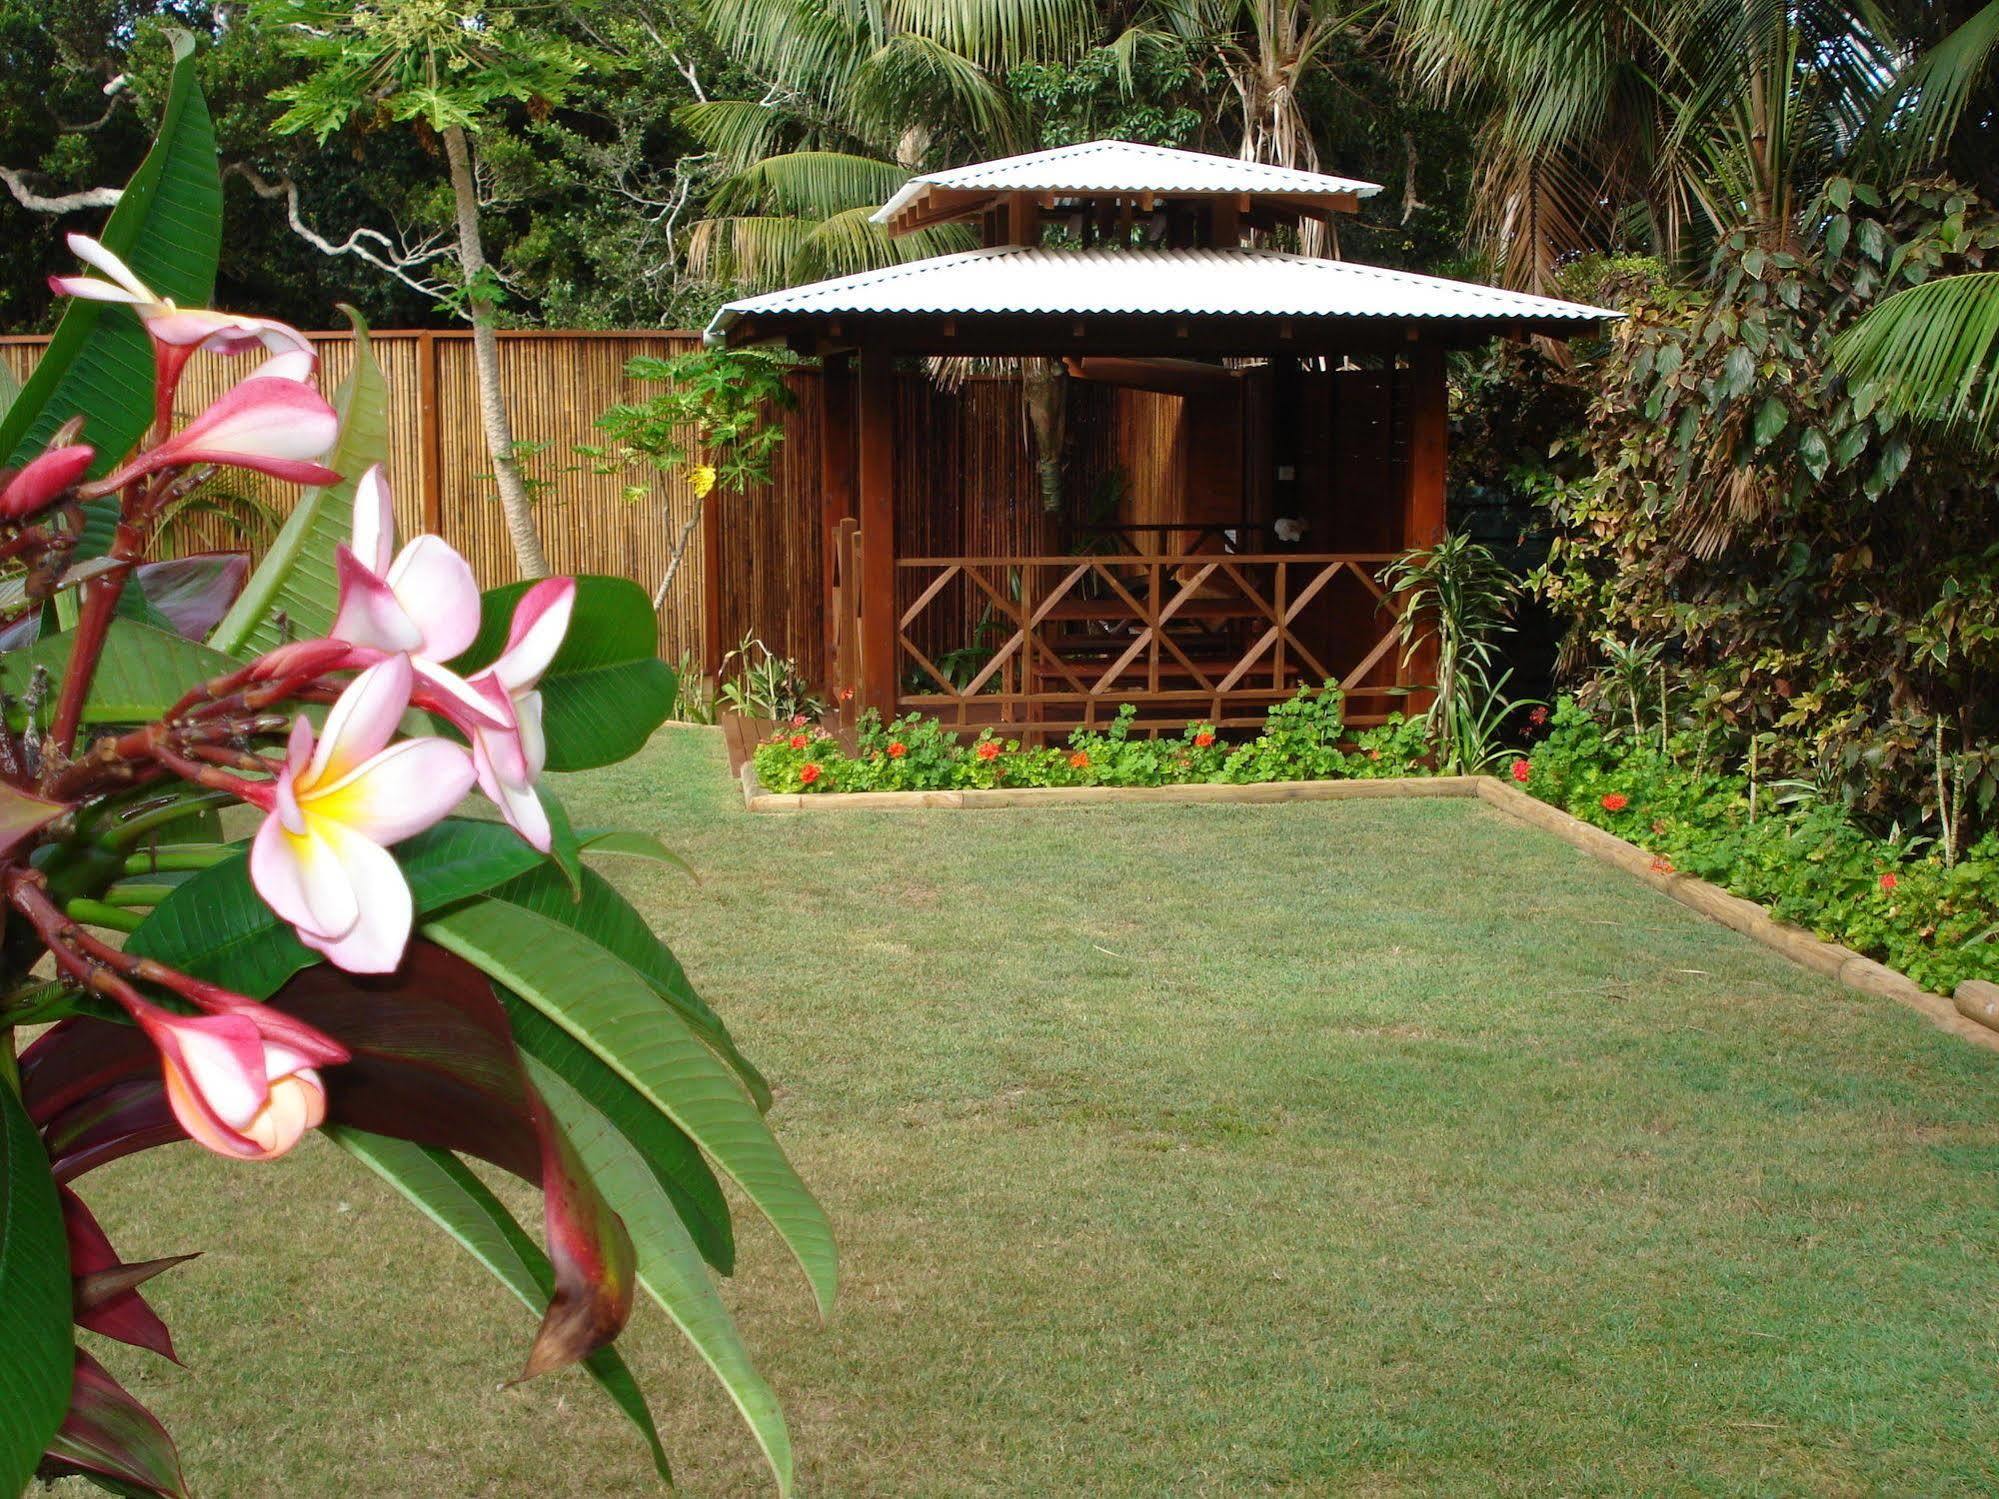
(1333, 1148)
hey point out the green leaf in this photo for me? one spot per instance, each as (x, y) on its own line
(143, 671)
(606, 690)
(670, 1267)
(216, 927)
(1813, 453)
(168, 228)
(634, 845)
(35, 1295)
(445, 1191)
(1770, 419)
(297, 575)
(682, 1172)
(613, 1010)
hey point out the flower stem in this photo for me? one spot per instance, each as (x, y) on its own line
(178, 856)
(97, 913)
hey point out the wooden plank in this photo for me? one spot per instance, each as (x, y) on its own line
(876, 503)
(836, 473)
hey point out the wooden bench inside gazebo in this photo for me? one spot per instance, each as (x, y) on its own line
(1308, 407)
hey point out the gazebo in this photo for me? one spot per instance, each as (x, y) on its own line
(1314, 391)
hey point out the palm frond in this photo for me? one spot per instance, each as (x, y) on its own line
(1919, 117)
(912, 78)
(846, 243)
(808, 184)
(1931, 352)
(738, 132)
(999, 34)
(754, 251)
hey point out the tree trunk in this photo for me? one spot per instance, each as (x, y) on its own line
(486, 365)
(1045, 389)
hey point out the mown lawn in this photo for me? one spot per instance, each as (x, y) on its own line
(1340, 1147)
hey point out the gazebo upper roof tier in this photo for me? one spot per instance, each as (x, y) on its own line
(1121, 170)
(1027, 300)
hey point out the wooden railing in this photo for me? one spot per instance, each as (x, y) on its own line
(1059, 642)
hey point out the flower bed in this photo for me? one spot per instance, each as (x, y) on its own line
(1895, 898)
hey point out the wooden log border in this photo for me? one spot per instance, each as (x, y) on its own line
(1973, 1016)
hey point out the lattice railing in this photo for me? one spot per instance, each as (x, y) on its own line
(1059, 641)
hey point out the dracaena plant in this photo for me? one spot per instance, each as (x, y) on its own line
(243, 902)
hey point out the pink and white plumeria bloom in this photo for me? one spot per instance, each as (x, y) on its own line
(189, 328)
(424, 602)
(265, 423)
(510, 759)
(242, 1083)
(321, 858)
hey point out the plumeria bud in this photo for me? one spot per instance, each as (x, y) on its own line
(270, 426)
(300, 658)
(242, 1083)
(45, 480)
(321, 858)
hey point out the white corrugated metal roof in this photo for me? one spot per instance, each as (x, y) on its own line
(1105, 281)
(1123, 167)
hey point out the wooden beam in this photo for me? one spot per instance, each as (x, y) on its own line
(1429, 432)
(877, 507)
(836, 476)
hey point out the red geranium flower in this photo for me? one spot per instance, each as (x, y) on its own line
(799, 720)
(988, 750)
(1661, 864)
(1203, 739)
(897, 750)
(1888, 881)
(799, 741)
(1079, 761)
(808, 773)
(1615, 801)
(1537, 717)
(1522, 769)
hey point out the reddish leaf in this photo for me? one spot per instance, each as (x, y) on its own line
(193, 593)
(106, 1288)
(434, 1062)
(110, 1434)
(95, 1089)
(22, 816)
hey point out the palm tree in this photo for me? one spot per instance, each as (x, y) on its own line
(1933, 349)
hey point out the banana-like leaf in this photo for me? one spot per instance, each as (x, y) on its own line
(216, 927)
(296, 577)
(168, 228)
(93, 1089)
(34, 1289)
(113, 1439)
(185, 595)
(606, 690)
(448, 1194)
(142, 673)
(611, 1008)
(670, 1266)
(106, 1288)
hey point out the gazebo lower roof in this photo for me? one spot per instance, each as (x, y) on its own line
(1021, 299)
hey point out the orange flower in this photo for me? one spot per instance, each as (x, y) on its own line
(897, 750)
(799, 741)
(1205, 738)
(1661, 864)
(808, 773)
(987, 750)
(1079, 761)
(1615, 801)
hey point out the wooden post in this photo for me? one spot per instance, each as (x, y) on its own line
(836, 482)
(880, 647)
(1429, 433)
(1423, 517)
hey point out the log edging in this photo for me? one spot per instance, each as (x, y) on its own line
(1973, 1015)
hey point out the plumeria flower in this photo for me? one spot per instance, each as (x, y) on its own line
(242, 1083)
(42, 481)
(177, 332)
(510, 758)
(421, 602)
(321, 858)
(266, 424)
(188, 328)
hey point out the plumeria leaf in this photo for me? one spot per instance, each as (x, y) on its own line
(297, 577)
(434, 1062)
(143, 672)
(679, 1167)
(565, 850)
(168, 228)
(23, 815)
(611, 1008)
(94, 1088)
(444, 1191)
(633, 845)
(606, 690)
(217, 927)
(107, 1434)
(670, 1267)
(35, 1292)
